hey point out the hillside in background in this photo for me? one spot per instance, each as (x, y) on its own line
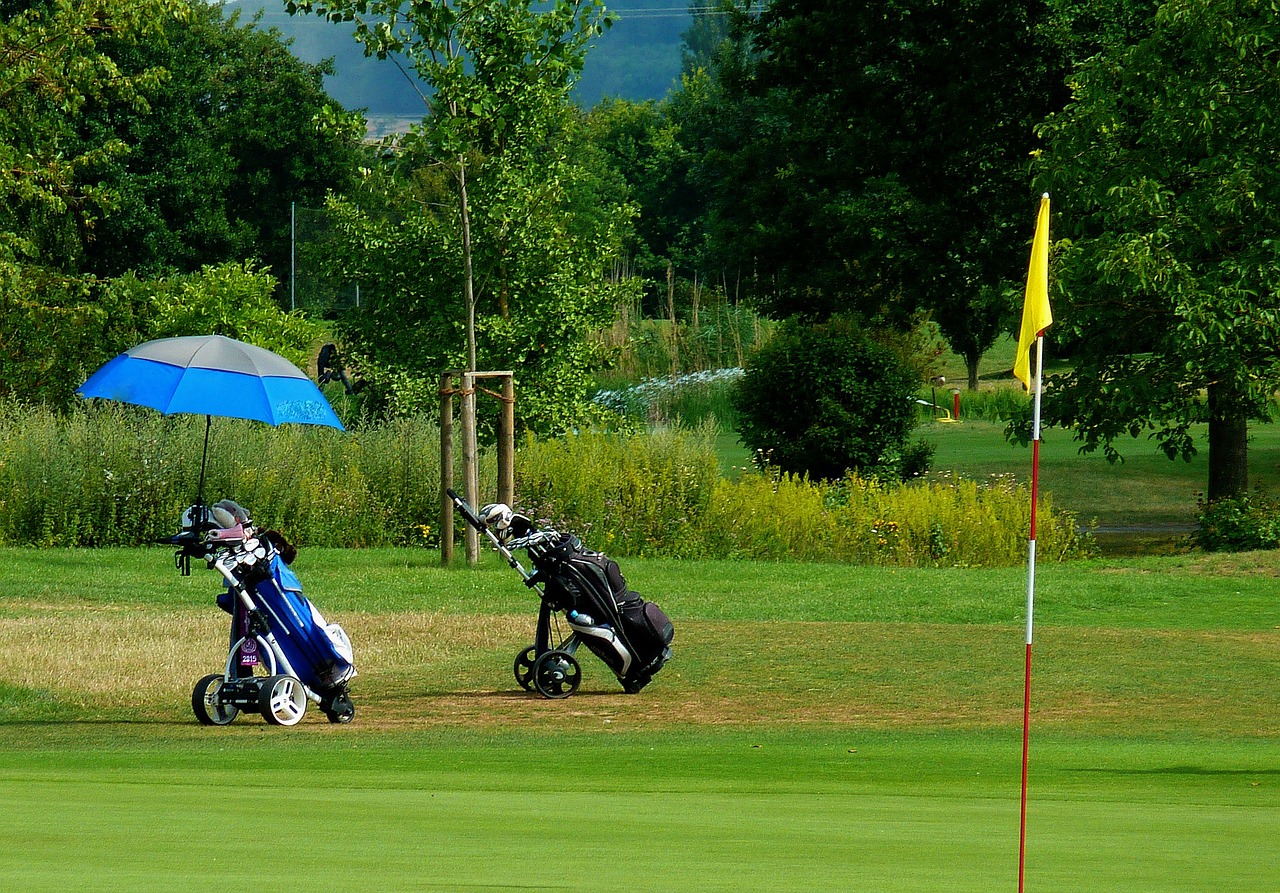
(637, 59)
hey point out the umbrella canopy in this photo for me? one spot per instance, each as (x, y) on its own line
(212, 375)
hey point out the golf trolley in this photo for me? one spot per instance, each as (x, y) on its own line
(630, 635)
(282, 653)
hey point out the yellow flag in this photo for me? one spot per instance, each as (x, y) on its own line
(1036, 314)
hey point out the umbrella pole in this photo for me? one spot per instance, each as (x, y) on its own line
(204, 458)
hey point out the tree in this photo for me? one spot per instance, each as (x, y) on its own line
(82, 86)
(1165, 168)
(53, 67)
(885, 168)
(493, 66)
(235, 131)
(494, 219)
(823, 400)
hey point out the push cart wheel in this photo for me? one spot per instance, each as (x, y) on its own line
(204, 702)
(283, 700)
(339, 709)
(556, 674)
(524, 667)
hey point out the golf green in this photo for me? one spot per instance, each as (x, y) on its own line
(318, 809)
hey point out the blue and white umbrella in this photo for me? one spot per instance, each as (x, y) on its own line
(212, 375)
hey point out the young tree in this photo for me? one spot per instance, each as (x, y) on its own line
(1165, 170)
(493, 67)
(494, 218)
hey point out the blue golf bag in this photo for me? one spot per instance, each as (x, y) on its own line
(319, 652)
(283, 654)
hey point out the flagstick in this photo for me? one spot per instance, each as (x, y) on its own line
(1031, 594)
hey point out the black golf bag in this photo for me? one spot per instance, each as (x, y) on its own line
(630, 635)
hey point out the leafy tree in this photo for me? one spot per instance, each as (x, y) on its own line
(493, 220)
(53, 68)
(492, 67)
(882, 160)
(237, 130)
(81, 86)
(1165, 169)
(821, 400)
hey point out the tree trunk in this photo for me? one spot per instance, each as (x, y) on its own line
(1228, 445)
(971, 362)
(468, 276)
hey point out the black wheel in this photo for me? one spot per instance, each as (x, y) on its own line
(283, 700)
(204, 702)
(339, 709)
(556, 674)
(524, 667)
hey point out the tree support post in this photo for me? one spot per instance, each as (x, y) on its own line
(471, 453)
(446, 467)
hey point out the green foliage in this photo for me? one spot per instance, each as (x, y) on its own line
(114, 475)
(55, 330)
(940, 522)
(708, 332)
(660, 495)
(486, 240)
(687, 400)
(823, 400)
(235, 300)
(55, 69)
(1239, 524)
(236, 130)
(639, 494)
(1165, 177)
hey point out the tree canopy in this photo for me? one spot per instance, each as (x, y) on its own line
(489, 233)
(1165, 169)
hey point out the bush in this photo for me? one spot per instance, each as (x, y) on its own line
(819, 401)
(1239, 524)
(660, 496)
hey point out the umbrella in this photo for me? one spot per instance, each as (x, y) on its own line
(212, 375)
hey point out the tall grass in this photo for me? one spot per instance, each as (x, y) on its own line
(689, 399)
(114, 475)
(110, 475)
(660, 495)
(713, 335)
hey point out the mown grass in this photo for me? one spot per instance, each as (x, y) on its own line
(822, 728)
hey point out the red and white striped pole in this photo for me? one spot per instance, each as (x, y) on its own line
(1031, 600)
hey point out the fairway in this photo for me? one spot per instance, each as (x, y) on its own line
(821, 728)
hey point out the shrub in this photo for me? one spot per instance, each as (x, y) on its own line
(822, 400)
(659, 495)
(1239, 524)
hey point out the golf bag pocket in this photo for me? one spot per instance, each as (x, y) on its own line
(648, 628)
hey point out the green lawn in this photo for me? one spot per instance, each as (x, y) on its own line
(822, 728)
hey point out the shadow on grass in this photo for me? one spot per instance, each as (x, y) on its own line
(1181, 770)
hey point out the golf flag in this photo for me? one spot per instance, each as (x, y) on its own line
(1036, 314)
(1036, 317)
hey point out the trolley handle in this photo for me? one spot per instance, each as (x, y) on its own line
(465, 510)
